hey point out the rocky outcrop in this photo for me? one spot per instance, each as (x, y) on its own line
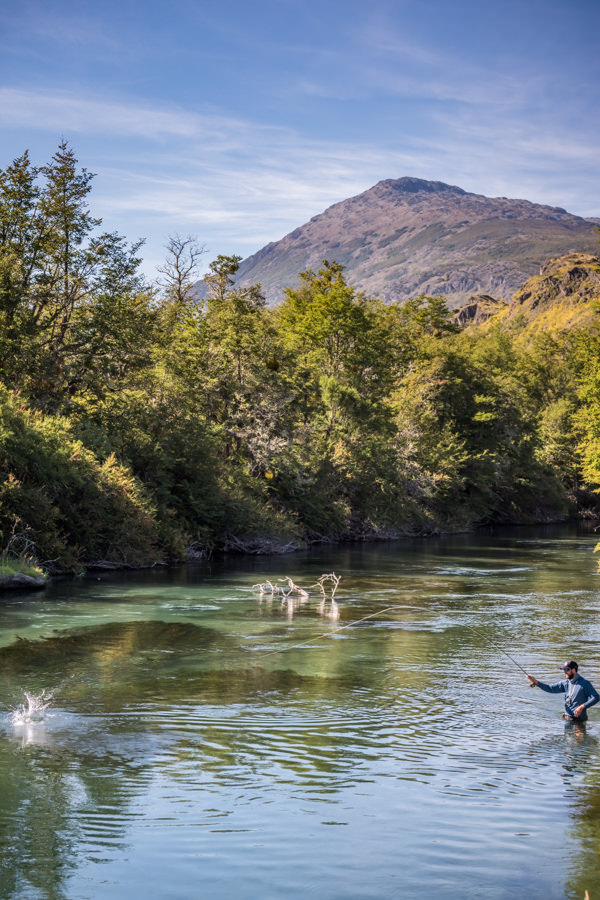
(566, 290)
(478, 310)
(406, 236)
(21, 582)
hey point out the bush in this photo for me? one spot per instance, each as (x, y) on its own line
(72, 507)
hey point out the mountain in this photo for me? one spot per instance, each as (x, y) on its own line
(406, 236)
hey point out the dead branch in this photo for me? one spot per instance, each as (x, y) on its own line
(333, 579)
(325, 583)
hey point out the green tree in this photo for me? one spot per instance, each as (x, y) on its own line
(21, 246)
(74, 311)
(237, 335)
(336, 364)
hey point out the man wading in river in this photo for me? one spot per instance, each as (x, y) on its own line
(580, 694)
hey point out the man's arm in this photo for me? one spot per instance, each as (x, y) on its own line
(557, 688)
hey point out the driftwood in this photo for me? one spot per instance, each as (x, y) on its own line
(259, 546)
(284, 590)
(293, 596)
(109, 565)
(333, 579)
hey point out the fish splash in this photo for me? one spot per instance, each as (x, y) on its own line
(33, 709)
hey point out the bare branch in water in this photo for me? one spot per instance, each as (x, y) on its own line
(294, 589)
(290, 588)
(333, 579)
(266, 587)
(293, 596)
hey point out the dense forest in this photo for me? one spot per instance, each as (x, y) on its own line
(140, 424)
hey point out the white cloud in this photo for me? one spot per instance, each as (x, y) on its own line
(68, 113)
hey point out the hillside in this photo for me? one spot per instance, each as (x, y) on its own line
(564, 295)
(149, 428)
(405, 237)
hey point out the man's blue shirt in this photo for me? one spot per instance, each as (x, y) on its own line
(578, 691)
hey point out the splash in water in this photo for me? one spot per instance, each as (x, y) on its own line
(33, 709)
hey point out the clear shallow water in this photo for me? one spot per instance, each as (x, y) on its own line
(203, 741)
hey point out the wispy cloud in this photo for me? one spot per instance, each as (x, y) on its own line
(69, 113)
(239, 184)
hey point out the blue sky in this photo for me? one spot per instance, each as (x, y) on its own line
(238, 121)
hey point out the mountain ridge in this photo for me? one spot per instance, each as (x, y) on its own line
(407, 236)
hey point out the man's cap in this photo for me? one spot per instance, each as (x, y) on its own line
(569, 665)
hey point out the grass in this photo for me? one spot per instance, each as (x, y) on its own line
(20, 566)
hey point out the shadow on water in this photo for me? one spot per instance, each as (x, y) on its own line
(114, 640)
(110, 667)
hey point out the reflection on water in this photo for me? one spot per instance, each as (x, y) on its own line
(258, 746)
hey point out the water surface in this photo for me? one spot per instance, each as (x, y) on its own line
(206, 741)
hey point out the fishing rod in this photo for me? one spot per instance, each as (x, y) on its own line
(501, 649)
(372, 616)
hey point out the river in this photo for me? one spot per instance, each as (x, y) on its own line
(204, 740)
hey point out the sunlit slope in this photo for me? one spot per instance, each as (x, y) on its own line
(564, 296)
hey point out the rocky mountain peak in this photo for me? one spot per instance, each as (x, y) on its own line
(409, 185)
(406, 236)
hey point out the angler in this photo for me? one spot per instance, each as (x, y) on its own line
(580, 694)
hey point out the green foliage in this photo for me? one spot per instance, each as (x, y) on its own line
(74, 312)
(71, 507)
(147, 421)
(588, 416)
(337, 368)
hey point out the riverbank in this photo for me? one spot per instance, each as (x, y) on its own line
(19, 574)
(28, 575)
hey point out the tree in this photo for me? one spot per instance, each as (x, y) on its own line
(180, 269)
(236, 332)
(74, 310)
(336, 363)
(113, 332)
(63, 278)
(21, 246)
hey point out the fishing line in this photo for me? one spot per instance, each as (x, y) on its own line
(327, 634)
(372, 616)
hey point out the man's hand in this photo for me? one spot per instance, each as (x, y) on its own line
(579, 710)
(532, 681)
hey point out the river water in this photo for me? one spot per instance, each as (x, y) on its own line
(203, 740)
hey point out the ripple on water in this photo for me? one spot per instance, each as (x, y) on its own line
(401, 760)
(191, 607)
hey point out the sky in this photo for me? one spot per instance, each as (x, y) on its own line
(235, 121)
